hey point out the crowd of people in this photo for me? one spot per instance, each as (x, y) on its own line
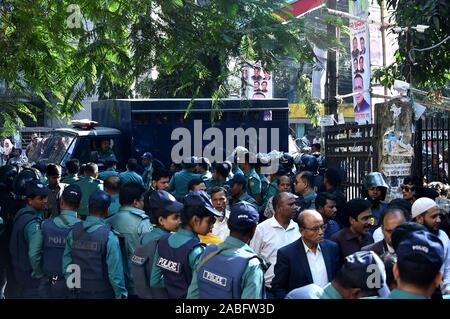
(217, 230)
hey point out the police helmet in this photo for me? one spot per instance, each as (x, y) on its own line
(287, 161)
(307, 162)
(7, 175)
(23, 178)
(375, 179)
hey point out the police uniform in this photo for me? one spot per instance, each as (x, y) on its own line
(131, 223)
(95, 248)
(148, 170)
(103, 156)
(107, 173)
(264, 184)
(149, 284)
(88, 185)
(70, 179)
(422, 250)
(272, 190)
(237, 170)
(178, 184)
(253, 183)
(247, 198)
(25, 228)
(243, 278)
(130, 177)
(48, 249)
(115, 205)
(178, 254)
(212, 183)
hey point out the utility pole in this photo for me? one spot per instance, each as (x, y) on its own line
(331, 80)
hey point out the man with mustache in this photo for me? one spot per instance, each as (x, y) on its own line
(356, 234)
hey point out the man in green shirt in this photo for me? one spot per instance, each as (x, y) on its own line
(112, 187)
(88, 184)
(95, 248)
(48, 245)
(131, 223)
(72, 167)
(24, 233)
(130, 176)
(238, 190)
(244, 271)
(420, 256)
(110, 165)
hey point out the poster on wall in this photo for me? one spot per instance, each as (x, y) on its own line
(257, 83)
(360, 55)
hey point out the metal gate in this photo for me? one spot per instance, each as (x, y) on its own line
(352, 148)
(432, 142)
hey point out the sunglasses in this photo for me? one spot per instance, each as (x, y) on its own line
(407, 188)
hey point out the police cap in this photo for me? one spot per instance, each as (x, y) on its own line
(243, 216)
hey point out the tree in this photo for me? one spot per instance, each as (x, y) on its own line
(431, 69)
(117, 44)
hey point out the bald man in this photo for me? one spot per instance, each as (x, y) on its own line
(391, 219)
(310, 259)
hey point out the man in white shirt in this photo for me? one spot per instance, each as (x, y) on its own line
(220, 201)
(276, 232)
(426, 212)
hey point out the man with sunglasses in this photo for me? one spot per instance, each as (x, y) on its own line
(410, 183)
(426, 212)
(310, 259)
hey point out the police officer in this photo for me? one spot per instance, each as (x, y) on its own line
(105, 151)
(48, 246)
(262, 160)
(112, 187)
(374, 190)
(94, 247)
(204, 168)
(238, 190)
(254, 188)
(220, 175)
(243, 276)
(420, 255)
(130, 176)
(72, 167)
(110, 164)
(26, 226)
(178, 184)
(272, 189)
(178, 254)
(165, 215)
(131, 223)
(88, 184)
(147, 162)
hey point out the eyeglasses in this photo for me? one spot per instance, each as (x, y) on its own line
(317, 228)
(407, 188)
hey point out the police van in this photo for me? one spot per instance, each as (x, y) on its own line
(164, 128)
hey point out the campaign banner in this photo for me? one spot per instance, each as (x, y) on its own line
(257, 83)
(360, 55)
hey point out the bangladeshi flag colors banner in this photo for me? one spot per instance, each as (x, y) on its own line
(360, 55)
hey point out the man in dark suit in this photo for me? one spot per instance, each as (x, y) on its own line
(391, 219)
(311, 259)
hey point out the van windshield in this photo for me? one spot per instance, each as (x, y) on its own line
(52, 148)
